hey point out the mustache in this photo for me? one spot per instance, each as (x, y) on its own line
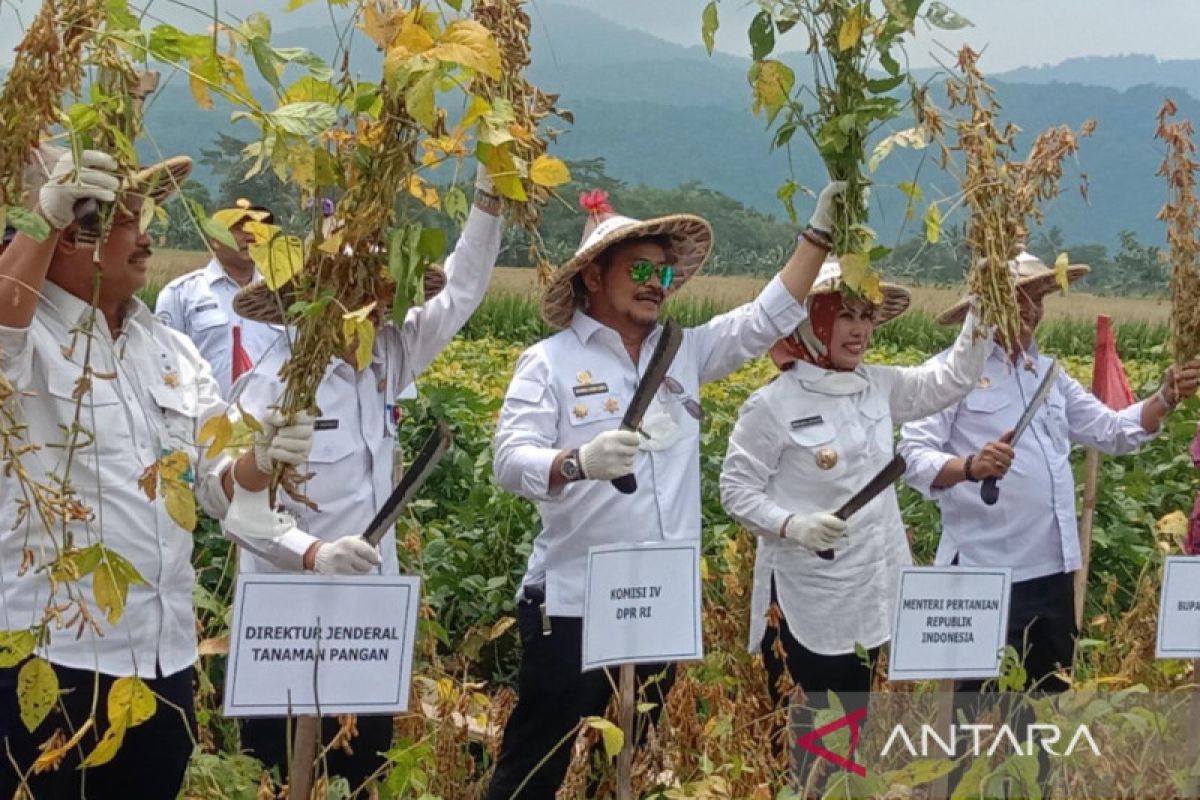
(141, 255)
(650, 293)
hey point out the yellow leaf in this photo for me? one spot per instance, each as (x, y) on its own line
(851, 31)
(503, 169)
(872, 287)
(549, 171)
(148, 483)
(381, 26)
(173, 466)
(771, 82)
(147, 214)
(358, 333)
(37, 689)
(217, 431)
(1173, 525)
(249, 421)
(15, 647)
(468, 43)
(855, 268)
(479, 108)
(107, 747)
(412, 37)
(933, 224)
(109, 590)
(279, 257)
(1060, 271)
(199, 89)
(498, 629)
(421, 190)
(181, 503)
(131, 700)
(52, 757)
(614, 737)
(332, 244)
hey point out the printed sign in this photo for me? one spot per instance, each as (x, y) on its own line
(642, 604)
(1179, 609)
(308, 644)
(950, 623)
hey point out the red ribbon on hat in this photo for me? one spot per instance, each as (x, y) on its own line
(595, 202)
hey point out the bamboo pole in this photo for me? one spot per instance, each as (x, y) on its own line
(625, 759)
(945, 723)
(304, 757)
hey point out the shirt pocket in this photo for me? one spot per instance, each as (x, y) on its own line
(206, 316)
(591, 409)
(331, 442)
(180, 408)
(877, 420)
(1053, 419)
(102, 419)
(817, 453)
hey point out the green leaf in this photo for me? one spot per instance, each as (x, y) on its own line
(786, 193)
(709, 22)
(303, 119)
(81, 118)
(942, 16)
(455, 203)
(432, 244)
(28, 222)
(890, 64)
(37, 689)
(884, 85)
(264, 59)
(15, 647)
(762, 36)
(614, 737)
(216, 231)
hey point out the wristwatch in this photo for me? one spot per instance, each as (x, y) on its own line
(570, 467)
(967, 469)
(488, 202)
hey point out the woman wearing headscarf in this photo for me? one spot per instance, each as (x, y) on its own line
(803, 445)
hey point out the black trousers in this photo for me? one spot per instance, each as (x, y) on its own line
(150, 763)
(847, 676)
(1041, 626)
(267, 740)
(553, 695)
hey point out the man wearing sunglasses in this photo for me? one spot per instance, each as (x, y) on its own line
(558, 444)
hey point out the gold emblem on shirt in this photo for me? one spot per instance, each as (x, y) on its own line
(985, 382)
(583, 377)
(171, 379)
(581, 410)
(827, 458)
(611, 405)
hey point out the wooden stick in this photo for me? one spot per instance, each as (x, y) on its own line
(944, 722)
(304, 757)
(625, 759)
(1090, 486)
(1193, 784)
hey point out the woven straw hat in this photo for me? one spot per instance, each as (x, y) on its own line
(691, 243)
(242, 210)
(1029, 272)
(896, 298)
(156, 182)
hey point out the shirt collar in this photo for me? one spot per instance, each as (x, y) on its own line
(215, 273)
(585, 327)
(75, 311)
(828, 381)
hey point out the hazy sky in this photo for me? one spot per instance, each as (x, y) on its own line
(1016, 32)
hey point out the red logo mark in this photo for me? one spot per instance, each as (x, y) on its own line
(809, 742)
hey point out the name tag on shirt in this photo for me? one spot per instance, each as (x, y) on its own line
(205, 307)
(325, 425)
(806, 422)
(588, 389)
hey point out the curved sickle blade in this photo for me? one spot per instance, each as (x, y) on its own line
(652, 378)
(414, 477)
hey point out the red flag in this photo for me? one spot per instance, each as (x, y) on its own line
(241, 359)
(1109, 383)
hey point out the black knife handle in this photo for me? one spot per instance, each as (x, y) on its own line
(826, 554)
(990, 491)
(626, 484)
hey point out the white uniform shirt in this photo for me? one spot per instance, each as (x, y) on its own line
(778, 464)
(151, 392)
(200, 306)
(574, 385)
(353, 443)
(1032, 528)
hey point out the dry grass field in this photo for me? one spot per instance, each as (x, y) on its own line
(732, 291)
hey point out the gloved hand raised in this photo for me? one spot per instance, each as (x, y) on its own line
(349, 555)
(610, 455)
(817, 532)
(822, 218)
(66, 185)
(281, 442)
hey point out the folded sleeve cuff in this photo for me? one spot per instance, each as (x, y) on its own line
(780, 307)
(535, 472)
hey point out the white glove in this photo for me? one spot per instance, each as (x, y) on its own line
(610, 455)
(283, 443)
(349, 555)
(822, 218)
(66, 186)
(815, 531)
(483, 181)
(250, 515)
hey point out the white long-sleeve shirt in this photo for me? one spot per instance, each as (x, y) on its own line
(778, 464)
(352, 453)
(200, 306)
(1032, 528)
(576, 384)
(150, 394)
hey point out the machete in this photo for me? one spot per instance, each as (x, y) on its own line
(882, 480)
(431, 453)
(990, 490)
(652, 378)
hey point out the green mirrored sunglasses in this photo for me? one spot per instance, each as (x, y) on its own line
(641, 271)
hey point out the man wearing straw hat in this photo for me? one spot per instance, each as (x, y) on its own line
(1032, 528)
(96, 392)
(558, 444)
(351, 462)
(199, 304)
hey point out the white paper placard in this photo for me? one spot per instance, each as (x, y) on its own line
(1179, 609)
(355, 633)
(951, 622)
(642, 604)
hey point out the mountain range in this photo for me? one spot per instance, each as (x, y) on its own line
(664, 114)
